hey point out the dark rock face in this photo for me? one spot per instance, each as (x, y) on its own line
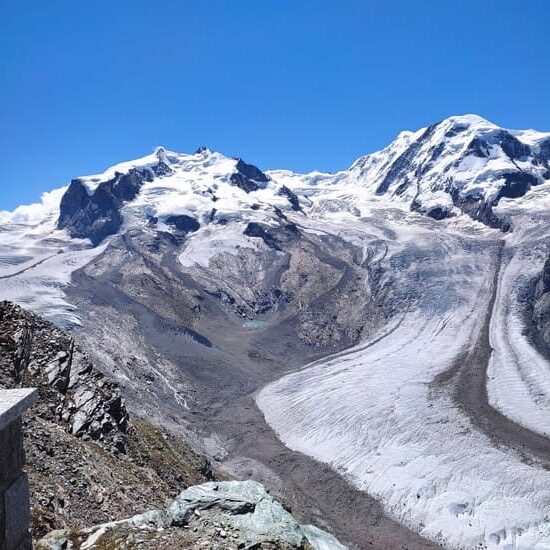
(97, 216)
(291, 196)
(82, 399)
(543, 156)
(254, 229)
(438, 213)
(516, 185)
(248, 177)
(541, 311)
(403, 163)
(512, 147)
(544, 151)
(184, 223)
(162, 169)
(479, 209)
(74, 200)
(251, 171)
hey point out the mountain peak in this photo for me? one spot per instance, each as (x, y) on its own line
(160, 153)
(203, 150)
(470, 119)
(462, 164)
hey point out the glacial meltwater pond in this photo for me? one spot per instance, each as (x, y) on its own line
(254, 323)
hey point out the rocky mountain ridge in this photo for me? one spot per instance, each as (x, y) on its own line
(462, 164)
(82, 399)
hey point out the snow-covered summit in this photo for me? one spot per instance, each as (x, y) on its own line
(463, 164)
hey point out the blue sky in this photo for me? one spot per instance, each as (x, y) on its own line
(292, 84)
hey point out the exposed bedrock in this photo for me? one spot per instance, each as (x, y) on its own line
(291, 196)
(231, 515)
(248, 177)
(97, 214)
(87, 461)
(82, 399)
(183, 223)
(541, 310)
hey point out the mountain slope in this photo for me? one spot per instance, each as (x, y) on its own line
(87, 461)
(389, 320)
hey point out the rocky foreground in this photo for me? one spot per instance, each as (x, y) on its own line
(90, 465)
(218, 515)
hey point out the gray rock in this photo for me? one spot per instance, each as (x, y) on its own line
(82, 397)
(240, 514)
(541, 308)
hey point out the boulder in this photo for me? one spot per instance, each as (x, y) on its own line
(228, 515)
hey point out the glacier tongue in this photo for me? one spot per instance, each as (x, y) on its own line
(389, 414)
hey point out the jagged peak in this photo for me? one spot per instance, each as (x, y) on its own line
(160, 153)
(203, 150)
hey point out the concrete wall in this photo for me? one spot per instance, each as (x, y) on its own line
(14, 485)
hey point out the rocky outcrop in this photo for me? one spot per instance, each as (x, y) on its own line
(274, 237)
(183, 223)
(262, 231)
(86, 461)
(541, 312)
(219, 515)
(248, 177)
(291, 196)
(44, 356)
(96, 215)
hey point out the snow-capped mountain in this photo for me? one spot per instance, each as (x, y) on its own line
(463, 167)
(463, 164)
(184, 191)
(388, 319)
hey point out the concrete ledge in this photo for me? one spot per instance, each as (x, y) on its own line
(17, 513)
(14, 484)
(13, 403)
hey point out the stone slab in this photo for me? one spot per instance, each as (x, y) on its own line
(12, 456)
(17, 513)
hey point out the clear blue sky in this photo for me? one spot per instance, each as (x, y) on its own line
(286, 83)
